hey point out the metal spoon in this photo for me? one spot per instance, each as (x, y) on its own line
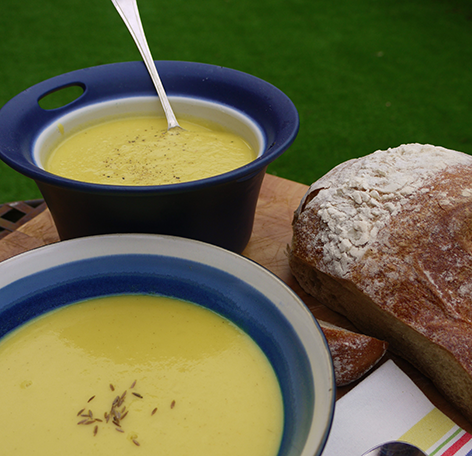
(395, 449)
(128, 10)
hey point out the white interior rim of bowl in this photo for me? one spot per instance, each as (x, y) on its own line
(89, 115)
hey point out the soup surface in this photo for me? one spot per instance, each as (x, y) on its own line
(140, 375)
(140, 151)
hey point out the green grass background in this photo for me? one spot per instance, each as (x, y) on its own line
(364, 74)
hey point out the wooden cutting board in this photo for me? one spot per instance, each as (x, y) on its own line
(268, 246)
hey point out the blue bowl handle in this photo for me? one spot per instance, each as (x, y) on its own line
(83, 96)
(110, 84)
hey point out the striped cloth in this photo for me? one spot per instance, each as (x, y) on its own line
(387, 406)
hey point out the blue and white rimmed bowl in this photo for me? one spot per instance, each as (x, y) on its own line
(218, 210)
(237, 288)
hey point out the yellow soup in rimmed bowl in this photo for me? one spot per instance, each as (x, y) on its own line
(134, 148)
(157, 344)
(205, 189)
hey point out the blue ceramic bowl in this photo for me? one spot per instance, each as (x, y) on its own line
(239, 289)
(219, 210)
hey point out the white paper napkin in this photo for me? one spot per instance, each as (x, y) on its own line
(386, 406)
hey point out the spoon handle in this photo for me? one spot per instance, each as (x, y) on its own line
(128, 10)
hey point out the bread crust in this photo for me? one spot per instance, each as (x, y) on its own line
(410, 282)
(353, 354)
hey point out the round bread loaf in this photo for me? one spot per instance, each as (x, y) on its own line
(386, 240)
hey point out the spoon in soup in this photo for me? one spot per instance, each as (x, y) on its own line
(128, 10)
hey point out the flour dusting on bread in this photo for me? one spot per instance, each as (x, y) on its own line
(359, 197)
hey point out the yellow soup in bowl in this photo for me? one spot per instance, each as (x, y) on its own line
(140, 151)
(113, 375)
